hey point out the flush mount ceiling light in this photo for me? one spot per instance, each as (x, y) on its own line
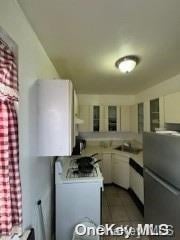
(127, 64)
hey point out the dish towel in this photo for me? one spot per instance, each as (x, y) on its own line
(10, 186)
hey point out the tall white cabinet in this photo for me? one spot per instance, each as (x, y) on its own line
(55, 121)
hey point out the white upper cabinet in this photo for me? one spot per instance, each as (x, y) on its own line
(84, 114)
(140, 117)
(55, 117)
(97, 120)
(172, 108)
(76, 105)
(112, 118)
(125, 118)
(147, 116)
(134, 118)
(154, 114)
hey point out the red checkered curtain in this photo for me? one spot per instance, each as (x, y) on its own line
(10, 186)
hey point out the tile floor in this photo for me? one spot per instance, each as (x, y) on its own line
(119, 208)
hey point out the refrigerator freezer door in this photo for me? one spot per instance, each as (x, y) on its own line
(162, 203)
(162, 156)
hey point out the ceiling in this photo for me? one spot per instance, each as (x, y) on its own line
(84, 38)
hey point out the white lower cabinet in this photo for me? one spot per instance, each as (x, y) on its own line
(106, 167)
(137, 184)
(120, 170)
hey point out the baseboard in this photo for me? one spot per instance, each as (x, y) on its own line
(136, 201)
(114, 184)
(108, 184)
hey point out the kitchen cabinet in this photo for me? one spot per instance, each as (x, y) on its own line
(134, 118)
(140, 117)
(77, 120)
(97, 118)
(137, 184)
(125, 118)
(172, 109)
(154, 115)
(55, 109)
(76, 105)
(84, 114)
(147, 116)
(112, 118)
(120, 170)
(106, 167)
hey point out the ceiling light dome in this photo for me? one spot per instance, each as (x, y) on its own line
(127, 63)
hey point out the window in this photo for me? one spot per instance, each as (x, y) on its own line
(112, 118)
(96, 118)
(154, 114)
(140, 118)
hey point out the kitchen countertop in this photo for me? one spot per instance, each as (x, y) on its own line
(98, 149)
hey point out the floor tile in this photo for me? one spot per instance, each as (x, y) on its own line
(114, 200)
(119, 208)
(106, 214)
(119, 213)
(133, 213)
(111, 190)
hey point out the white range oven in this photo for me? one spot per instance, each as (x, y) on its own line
(78, 196)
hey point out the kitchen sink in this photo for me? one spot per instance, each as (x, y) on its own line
(130, 149)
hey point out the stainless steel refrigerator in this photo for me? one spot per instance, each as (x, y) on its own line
(162, 180)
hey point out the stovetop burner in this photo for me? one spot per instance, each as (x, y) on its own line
(75, 173)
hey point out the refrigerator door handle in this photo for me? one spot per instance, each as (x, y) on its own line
(172, 189)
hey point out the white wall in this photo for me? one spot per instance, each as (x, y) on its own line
(33, 64)
(90, 99)
(166, 87)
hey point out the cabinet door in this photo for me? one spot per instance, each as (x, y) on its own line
(137, 184)
(106, 167)
(140, 117)
(125, 118)
(76, 112)
(161, 112)
(134, 118)
(147, 116)
(112, 118)
(76, 107)
(154, 114)
(84, 113)
(172, 109)
(120, 170)
(97, 118)
(55, 117)
(102, 118)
